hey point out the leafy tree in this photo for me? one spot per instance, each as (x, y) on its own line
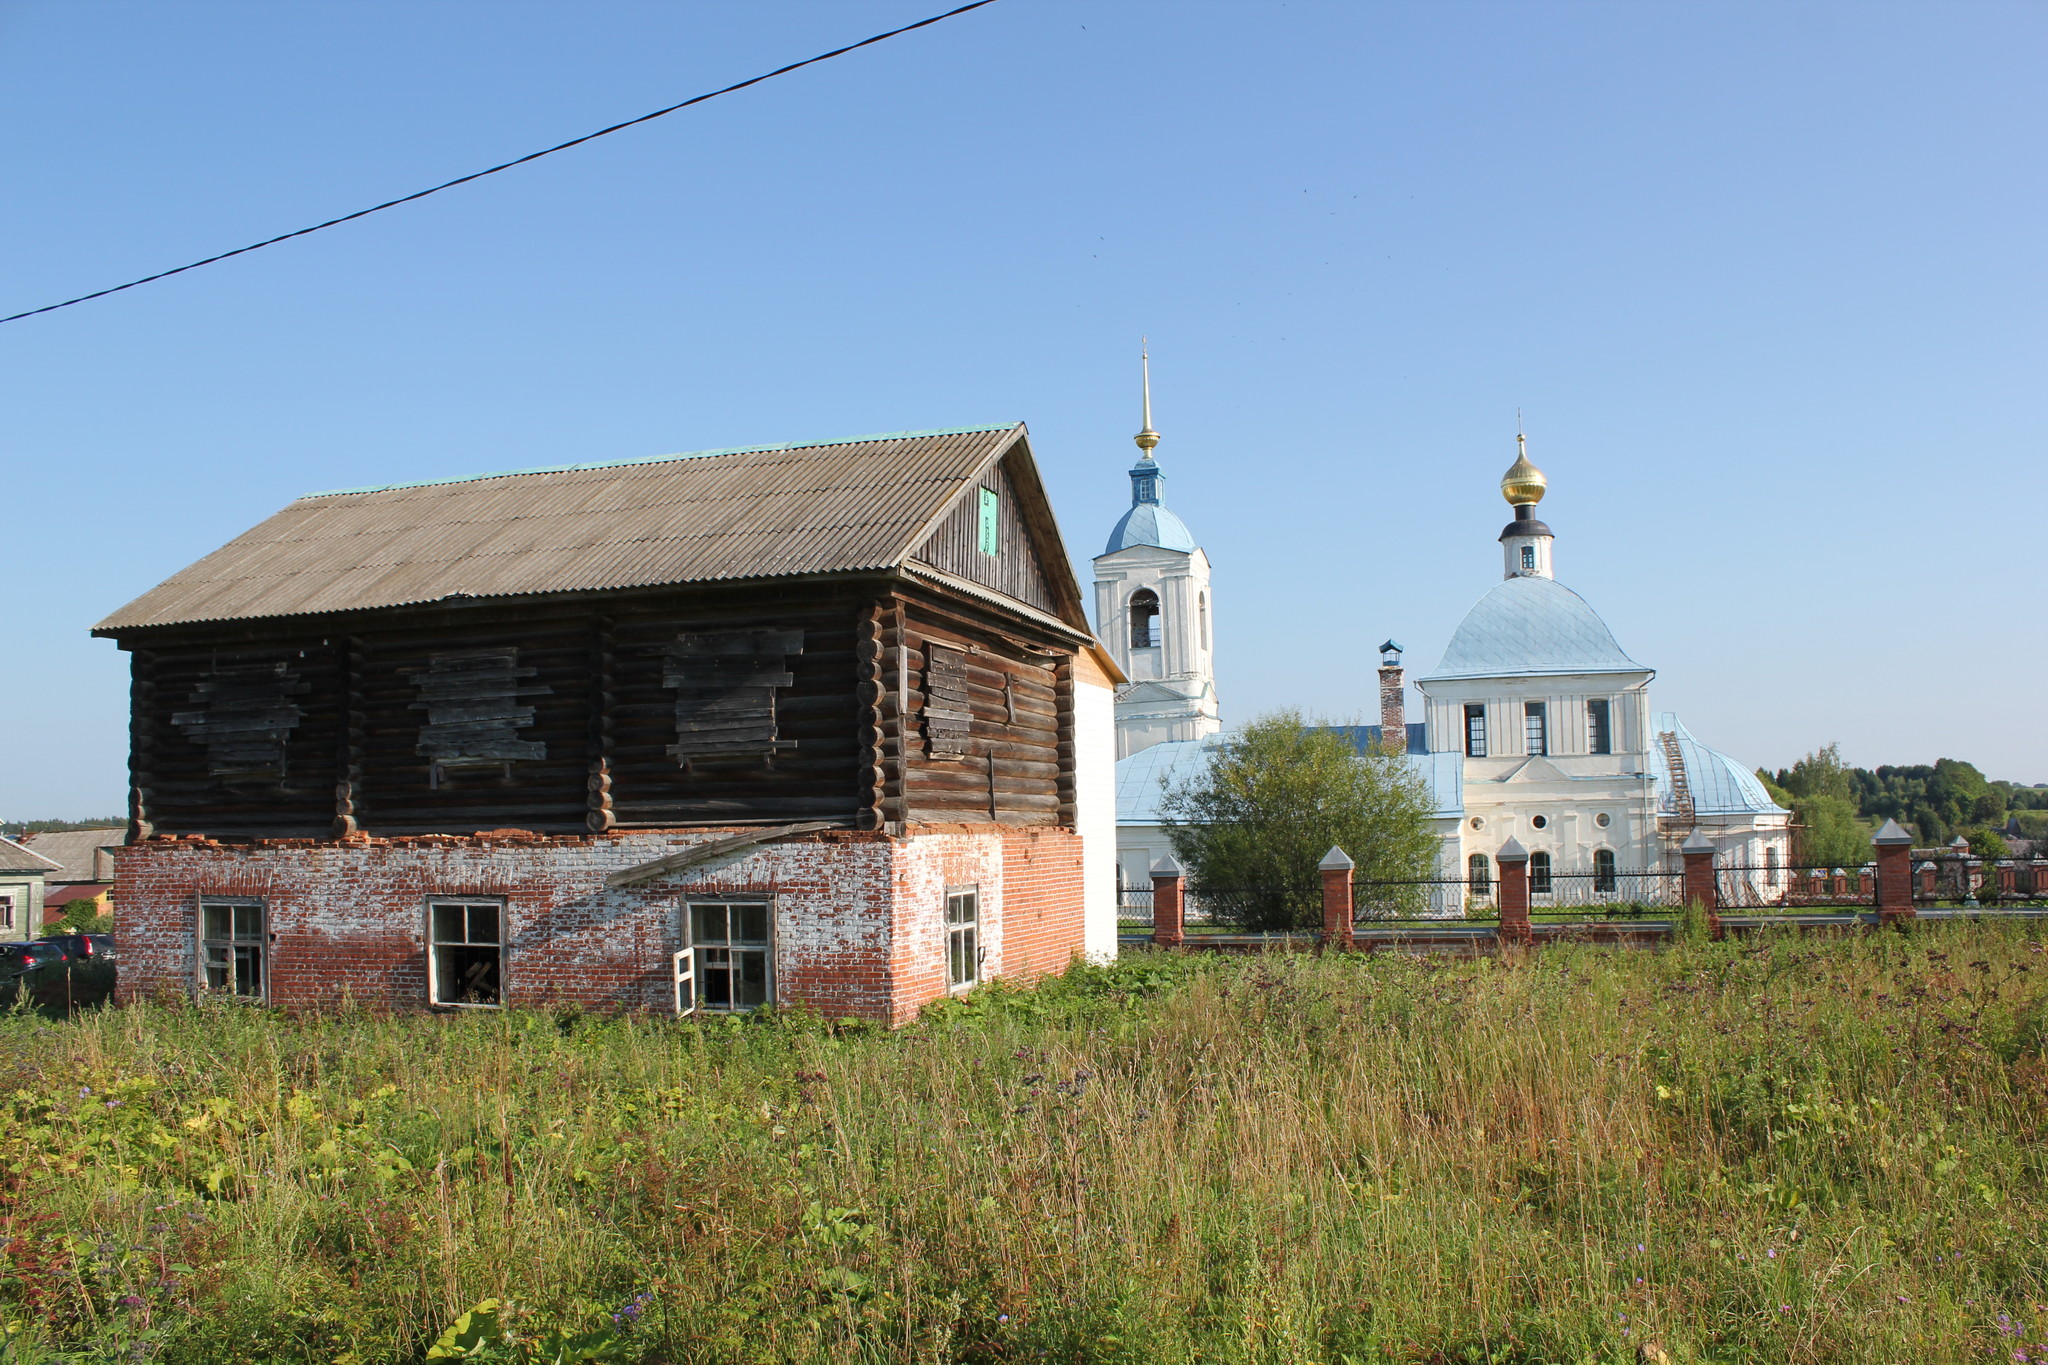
(1987, 844)
(1820, 773)
(1830, 834)
(1275, 798)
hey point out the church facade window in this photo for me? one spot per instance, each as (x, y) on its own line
(1475, 732)
(1539, 874)
(1771, 866)
(1535, 731)
(1144, 619)
(1604, 878)
(1599, 730)
(1529, 557)
(1202, 606)
(1479, 875)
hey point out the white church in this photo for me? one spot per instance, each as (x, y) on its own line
(1536, 726)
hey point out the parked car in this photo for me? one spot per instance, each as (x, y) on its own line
(86, 947)
(19, 958)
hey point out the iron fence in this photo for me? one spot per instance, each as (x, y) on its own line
(1602, 893)
(1966, 882)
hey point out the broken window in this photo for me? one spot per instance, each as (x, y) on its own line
(948, 716)
(232, 947)
(1144, 619)
(728, 962)
(466, 952)
(246, 716)
(725, 686)
(474, 715)
(963, 935)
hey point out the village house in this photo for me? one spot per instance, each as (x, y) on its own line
(819, 723)
(24, 875)
(85, 865)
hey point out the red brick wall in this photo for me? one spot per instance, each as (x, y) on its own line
(859, 917)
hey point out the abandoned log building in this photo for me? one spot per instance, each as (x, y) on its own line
(814, 723)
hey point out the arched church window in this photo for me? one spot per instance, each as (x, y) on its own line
(1529, 557)
(1144, 619)
(1539, 874)
(1771, 866)
(1480, 874)
(1202, 604)
(1603, 870)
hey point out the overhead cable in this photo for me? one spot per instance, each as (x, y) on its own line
(504, 166)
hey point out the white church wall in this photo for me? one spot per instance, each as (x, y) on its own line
(1095, 809)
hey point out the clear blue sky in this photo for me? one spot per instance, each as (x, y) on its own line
(1768, 280)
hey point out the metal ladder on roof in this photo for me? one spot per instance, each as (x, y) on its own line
(1681, 789)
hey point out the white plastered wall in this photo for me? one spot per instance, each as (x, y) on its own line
(1095, 805)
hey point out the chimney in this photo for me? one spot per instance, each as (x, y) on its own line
(1393, 699)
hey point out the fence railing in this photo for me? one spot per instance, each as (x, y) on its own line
(1789, 890)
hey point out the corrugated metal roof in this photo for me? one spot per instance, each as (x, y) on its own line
(1719, 785)
(754, 512)
(15, 858)
(78, 853)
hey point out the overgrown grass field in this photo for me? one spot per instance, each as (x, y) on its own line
(1775, 1150)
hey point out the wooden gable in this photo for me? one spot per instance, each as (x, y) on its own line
(999, 534)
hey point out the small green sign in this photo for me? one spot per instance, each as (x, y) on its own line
(991, 534)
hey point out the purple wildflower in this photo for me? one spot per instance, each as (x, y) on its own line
(129, 1301)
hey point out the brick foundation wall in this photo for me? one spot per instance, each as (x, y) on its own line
(859, 917)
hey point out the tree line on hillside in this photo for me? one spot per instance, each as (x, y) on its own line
(1837, 807)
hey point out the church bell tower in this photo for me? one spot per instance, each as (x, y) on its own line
(1153, 612)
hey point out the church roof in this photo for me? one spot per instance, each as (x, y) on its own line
(1719, 784)
(1531, 626)
(1142, 779)
(1150, 524)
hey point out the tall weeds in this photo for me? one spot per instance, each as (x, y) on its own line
(1784, 1150)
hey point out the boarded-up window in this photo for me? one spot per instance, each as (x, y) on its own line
(947, 715)
(246, 715)
(474, 712)
(990, 531)
(725, 686)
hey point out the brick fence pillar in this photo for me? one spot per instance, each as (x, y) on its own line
(1169, 903)
(1894, 874)
(1514, 892)
(1702, 886)
(1336, 868)
(2037, 882)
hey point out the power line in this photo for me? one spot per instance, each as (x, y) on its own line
(505, 166)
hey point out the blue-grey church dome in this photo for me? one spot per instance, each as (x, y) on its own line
(1150, 524)
(1530, 626)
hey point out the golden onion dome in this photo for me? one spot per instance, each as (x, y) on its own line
(1524, 483)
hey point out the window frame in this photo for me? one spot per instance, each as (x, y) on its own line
(1479, 875)
(699, 971)
(1599, 725)
(6, 910)
(965, 928)
(260, 943)
(1606, 874)
(434, 945)
(1538, 712)
(1475, 736)
(1542, 882)
(1528, 559)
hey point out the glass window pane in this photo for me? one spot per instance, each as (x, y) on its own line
(448, 924)
(752, 922)
(249, 922)
(750, 987)
(483, 924)
(216, 966)
(219, 918)
(708, 922)
(248, 971)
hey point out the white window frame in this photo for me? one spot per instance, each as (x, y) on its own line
(688, 971)
(265, 959)
(504, 946)
(7, 911)
(967, 928)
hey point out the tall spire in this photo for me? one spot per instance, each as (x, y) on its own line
(1146, 438)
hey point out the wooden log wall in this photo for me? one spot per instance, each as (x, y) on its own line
(600, 749)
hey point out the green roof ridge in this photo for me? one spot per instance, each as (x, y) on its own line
(661, 459)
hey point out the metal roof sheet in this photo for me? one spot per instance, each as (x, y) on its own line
(751, 512)
(76, 853)
(1528, 626)
(15, 858)
(1719, 784)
